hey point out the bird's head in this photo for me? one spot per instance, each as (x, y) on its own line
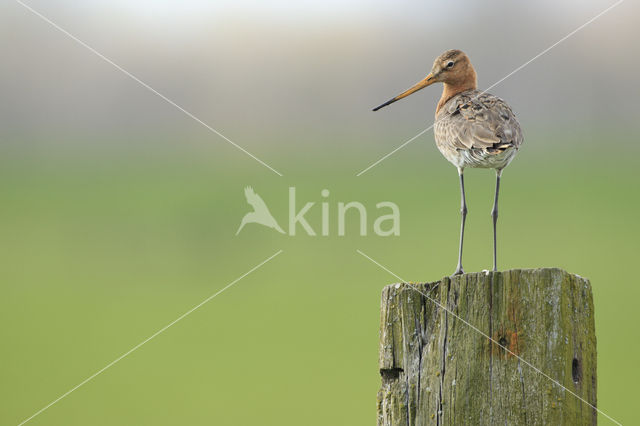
(452, 68)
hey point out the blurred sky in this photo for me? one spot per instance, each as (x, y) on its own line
(303, 70)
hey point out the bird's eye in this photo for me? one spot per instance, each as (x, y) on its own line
(450, 64)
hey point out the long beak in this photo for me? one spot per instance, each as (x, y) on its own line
(429, 80)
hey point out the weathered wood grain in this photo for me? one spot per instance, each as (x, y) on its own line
(437, 370)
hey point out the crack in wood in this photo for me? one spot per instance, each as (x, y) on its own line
(435, 370)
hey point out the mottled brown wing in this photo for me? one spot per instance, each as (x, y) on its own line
(477, 120)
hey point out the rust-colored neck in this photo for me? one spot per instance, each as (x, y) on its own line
(450, 90)
(458, 82)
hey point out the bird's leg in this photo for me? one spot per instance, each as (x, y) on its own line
(494, 216)
(463, 213)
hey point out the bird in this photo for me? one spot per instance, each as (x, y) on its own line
(260, 213)
(472, 128)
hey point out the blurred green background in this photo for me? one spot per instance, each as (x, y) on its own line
(118, 214)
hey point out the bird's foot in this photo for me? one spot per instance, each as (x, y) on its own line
(459, 271)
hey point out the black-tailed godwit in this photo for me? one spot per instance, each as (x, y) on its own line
(472, 128)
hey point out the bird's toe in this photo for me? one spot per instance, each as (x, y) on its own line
(458, 271)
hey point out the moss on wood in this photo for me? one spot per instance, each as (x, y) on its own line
(437, 370)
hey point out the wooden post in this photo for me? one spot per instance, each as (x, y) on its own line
(437, 370)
